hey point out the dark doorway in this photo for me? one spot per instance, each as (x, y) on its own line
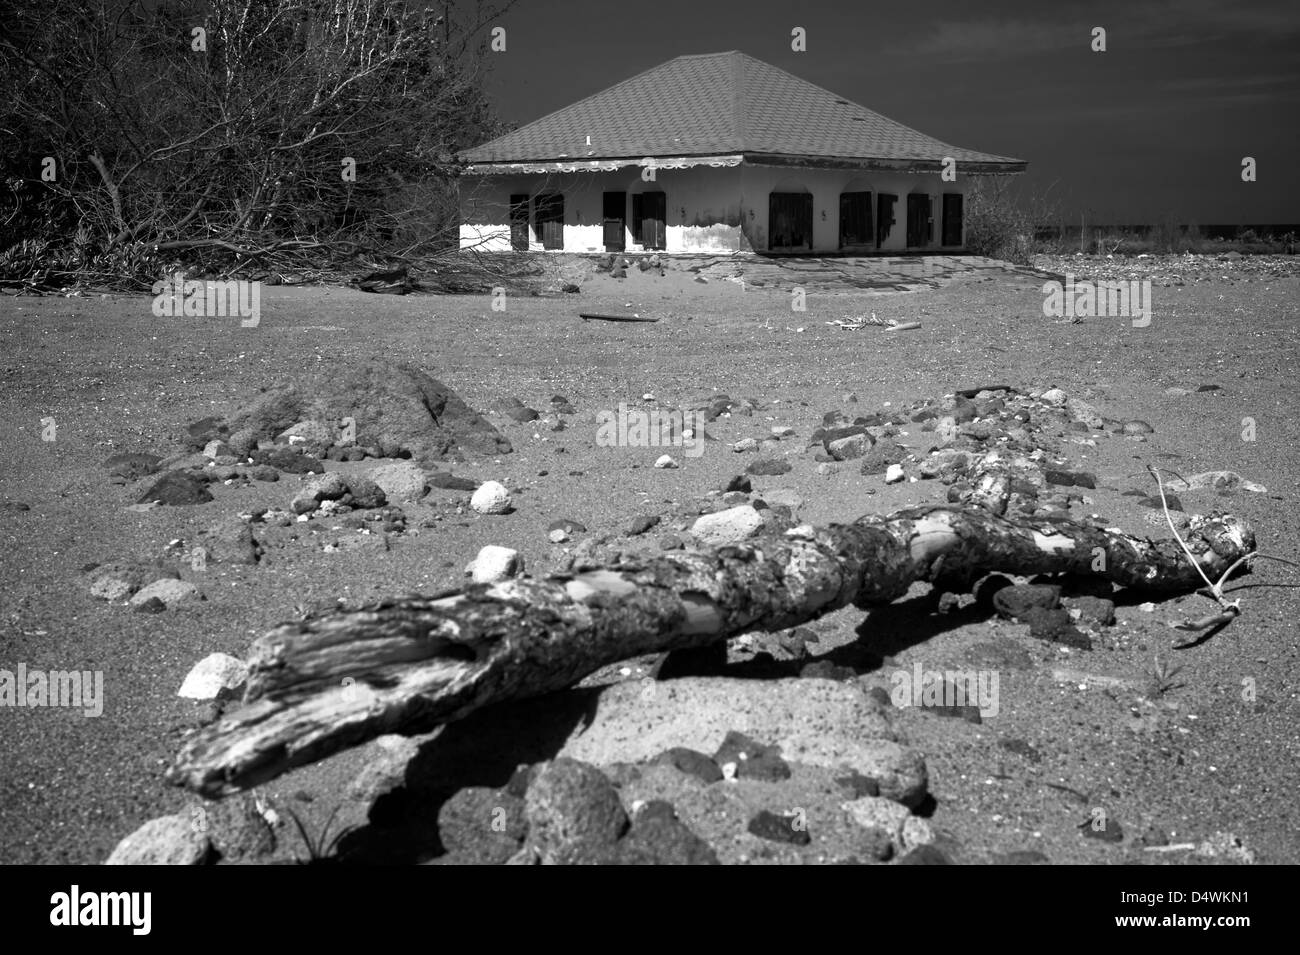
(519, 223)
(952, 218)
(615, 221)
(550, 220)
(920, 224)
(649, 219)
(884, 217)
(855, 220)
(790, 222)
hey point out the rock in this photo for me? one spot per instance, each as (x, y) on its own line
(894, 474)
(769, 466)
(263, 472)
(1094, 612)
(1055, 626)
(783, 497)
(204, 430)
(1109, 829)
(1137, 427)
(131, 467)
(401, 483)
(691, 762)
(658, 837)
(1178, 392)
(1071, 478)
(859, 785)
(330, 486)
(906, 832)
(1083, 413)
(731, 526)
(1016, 601)
(177, 488)
(168, 590)
(816, 722)
(1205, 388)
(230, 541)
(216, 676)
(394, 407)
(151, 605)
(495, 564)
(482, 826)
(1054, 396)
(386, 771)
(671, 542)
(752, 759)
(666, 461)
(745, 444)
(568, 526)
(557, 536)
(849, 448)
(790, 828)
(236, 829)
(216, 449)
(363, 493)
(117, 581)
(739, 483)
(289, 460)
(167, 840)
(449, 481)
(491, 498)
(574, 814)
(879, 459)
(642, 524)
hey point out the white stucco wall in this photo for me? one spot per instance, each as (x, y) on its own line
(714, 210)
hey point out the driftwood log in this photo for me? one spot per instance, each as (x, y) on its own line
(407, 665)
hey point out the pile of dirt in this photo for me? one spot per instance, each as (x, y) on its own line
(390, 407)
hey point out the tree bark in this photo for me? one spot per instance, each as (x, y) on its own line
(409, 664)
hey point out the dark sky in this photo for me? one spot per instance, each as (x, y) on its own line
(1153, 129)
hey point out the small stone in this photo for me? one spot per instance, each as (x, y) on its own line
(849, 448)
(1137, 427)
(1071, 478)
(152, 605)
(557, 536)
(727, 527)
(1109, 829)
(130, 467)
(739, 483)
(782, 431)
(495, 563)
(1016, 601)
(1094, 612)
(403, 483)
(769, 466)
(216, 676)
(666, 461)
(692, 763)
(745, 444)
(1205, 388)
(1054, 396)
(780, 828)
(491, 498)
(642, 524)
(894, 474)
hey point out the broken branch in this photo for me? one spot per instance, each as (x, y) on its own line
(409, 664)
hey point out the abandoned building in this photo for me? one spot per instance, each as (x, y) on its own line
(718, 153)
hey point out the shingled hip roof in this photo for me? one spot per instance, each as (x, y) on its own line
(723, 103)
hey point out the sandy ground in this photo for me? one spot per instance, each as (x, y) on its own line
(115, 378)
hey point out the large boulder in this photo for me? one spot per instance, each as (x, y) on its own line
(394, 407)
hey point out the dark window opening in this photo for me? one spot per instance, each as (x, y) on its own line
(855, 219)
(550, 220)
(790, 222)
(519, 223)
(920, 222)
(884, 217)
(650, 219)
(952, 202)
(614, 220)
